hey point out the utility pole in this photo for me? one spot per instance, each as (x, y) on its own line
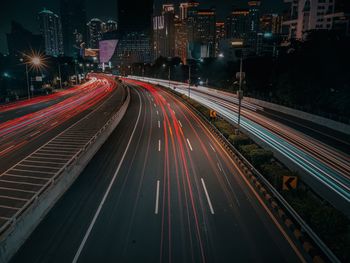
(27, 74)
(59, 74)
(240, 93)
(189, 80)
(169, 76)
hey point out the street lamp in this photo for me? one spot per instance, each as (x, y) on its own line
(35, 61)
(239, 75)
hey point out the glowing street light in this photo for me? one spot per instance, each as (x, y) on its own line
(35, 60)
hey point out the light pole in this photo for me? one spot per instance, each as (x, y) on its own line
(240, 91)
(241, 76)
(59, 74)
(189, 80)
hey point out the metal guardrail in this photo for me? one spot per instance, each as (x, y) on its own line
(69, 164)
(286, 206)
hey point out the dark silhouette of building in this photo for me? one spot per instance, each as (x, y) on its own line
(134, 16)
(21, 40)
(73, 17)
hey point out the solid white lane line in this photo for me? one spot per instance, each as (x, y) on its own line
(159, 145)
(159, 124)
(180, 123)
(189, 144)
(87, 234)
(157, 198)
(219, 166)
(207, 195)
(211, 146)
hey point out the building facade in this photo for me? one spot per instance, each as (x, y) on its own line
(73, 19)
(306, 15)
(51, 31)
(95, 29)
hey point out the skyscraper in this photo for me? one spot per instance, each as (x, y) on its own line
(306, 15)
(73, 18)
(254, 24)
(134, 16)
(96, 28)
(237, 24)
(51, 30)
(21, 40)
(206, 31)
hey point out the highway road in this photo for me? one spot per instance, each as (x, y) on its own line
(326, 168)
(161, 189)
(26, 125)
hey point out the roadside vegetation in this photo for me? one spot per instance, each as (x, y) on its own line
(332, 226)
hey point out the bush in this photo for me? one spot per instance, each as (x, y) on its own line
(224, 127)
(260, 157)
(239, 140)
(247, 149)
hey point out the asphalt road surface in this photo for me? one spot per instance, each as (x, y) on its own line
(161, 189)
(320, 164)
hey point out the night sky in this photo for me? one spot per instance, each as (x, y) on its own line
(24, 11)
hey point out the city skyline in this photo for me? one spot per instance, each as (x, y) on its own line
(27, 14)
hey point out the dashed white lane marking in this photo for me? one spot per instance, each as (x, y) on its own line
(159, 145)
(180, 123)
(207, 195)
(159, 124)
(219, 166)
(189, 144)
(211, 146)
(157, 198)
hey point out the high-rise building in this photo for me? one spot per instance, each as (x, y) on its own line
(181, 40)
(220, 35)
(73, 19)
(254, 24)
(206, 31)
(96, 28)
(21, 40)
(164, 32)
(134, 16)
(306, 15)
(111, 25)
(271, 23)
(237, 24)
(51, 30)
(134, 47)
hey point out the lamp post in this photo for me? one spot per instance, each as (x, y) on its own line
(189, 80)
(241, 76)
(36, 61)
(59, 74)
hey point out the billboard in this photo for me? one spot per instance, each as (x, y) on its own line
(107, 49)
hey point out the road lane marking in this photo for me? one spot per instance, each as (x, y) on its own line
(157, 112)
(35, 133)
(211, 146)
(159, 124)
(157, 198)
(180, 123)
(98, 211)
(189, 144)
(155, 105)
(54, 123)
(207, 195)
(159, 145)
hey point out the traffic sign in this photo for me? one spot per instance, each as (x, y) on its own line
(289, 183)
